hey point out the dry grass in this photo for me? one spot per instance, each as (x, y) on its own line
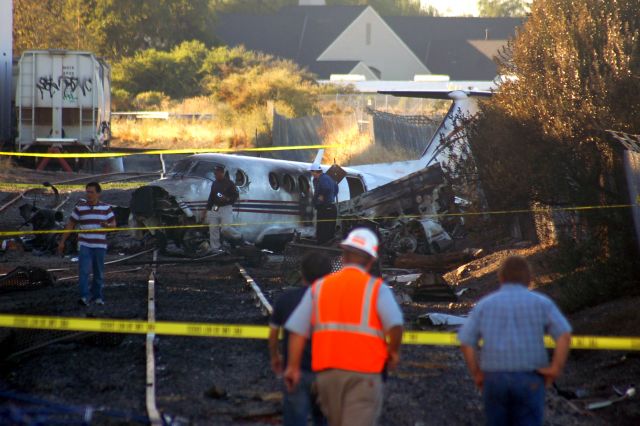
(231, 130)
(355, 147)
(226, 130)
(169, 134)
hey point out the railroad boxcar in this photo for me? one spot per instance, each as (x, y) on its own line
(62, 101)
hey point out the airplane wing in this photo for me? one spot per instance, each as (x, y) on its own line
(434, 94)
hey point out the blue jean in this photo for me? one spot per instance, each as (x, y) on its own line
(299, 404)
(513, 398)
(91, 259)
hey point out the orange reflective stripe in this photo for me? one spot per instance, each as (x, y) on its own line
(363, 327)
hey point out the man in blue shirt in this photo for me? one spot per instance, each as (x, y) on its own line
(512, 367)
(298, 404)
(325, 195)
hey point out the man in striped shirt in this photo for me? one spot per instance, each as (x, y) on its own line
(90, 214)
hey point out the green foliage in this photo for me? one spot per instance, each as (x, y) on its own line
(576, 74)
(251, 6)
(148, 101)
(242, 80)
(45, 24)
(123, 27)
(175, 73)
(541, 137)
(121, 100)
(111, 28)
(293, 92)
(497, 8)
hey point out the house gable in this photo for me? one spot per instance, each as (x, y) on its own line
(369, 39)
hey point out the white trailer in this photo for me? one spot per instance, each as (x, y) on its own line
(63, 101)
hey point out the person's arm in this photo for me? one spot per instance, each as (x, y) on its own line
(391, 318)
(560, 329)
(471, 358)
(233, 194)
(274, 350)
(111, 220)
(209, 201)
(469, 336)
(560, 355)
(68, 227)
(299, 327)
(292, 373)
(275, 325)
(394, 335)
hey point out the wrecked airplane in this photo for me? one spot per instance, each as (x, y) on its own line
(275, 196)
(406, 212)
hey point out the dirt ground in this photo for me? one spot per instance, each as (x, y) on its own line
(227, 381)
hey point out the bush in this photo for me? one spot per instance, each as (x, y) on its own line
(150, 101)
(541, 138)
(177, 73)
(241, 79)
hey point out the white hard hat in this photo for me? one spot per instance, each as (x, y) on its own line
(364, 240)
(315, 168)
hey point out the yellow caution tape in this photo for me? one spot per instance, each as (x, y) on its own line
(17, 187)
(163, 151)
(242, 331)
(284, 222)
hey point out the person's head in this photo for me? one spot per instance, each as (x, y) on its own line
(218, 171)
(360, 248)
(316, 170)
(314, 266)
(93, 190)
(515, 270)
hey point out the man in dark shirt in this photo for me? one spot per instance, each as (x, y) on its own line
(219, 211)
(325, 194)
(302, 401)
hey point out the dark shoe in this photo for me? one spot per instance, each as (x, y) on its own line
(83, 301)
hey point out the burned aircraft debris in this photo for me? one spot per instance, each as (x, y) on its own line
(405, 212)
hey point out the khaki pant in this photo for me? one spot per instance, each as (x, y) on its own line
(216, 221)
(348, 398)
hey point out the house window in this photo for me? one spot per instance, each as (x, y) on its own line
(368, 33)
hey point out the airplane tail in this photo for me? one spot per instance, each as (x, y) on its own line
(465, 104)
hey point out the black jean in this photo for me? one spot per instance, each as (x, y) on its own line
(326, 223)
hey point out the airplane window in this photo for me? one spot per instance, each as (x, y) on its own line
(303, 185)
(273, 181)
(181, 167)
(288, 183)
(203, 169)
(241, 178)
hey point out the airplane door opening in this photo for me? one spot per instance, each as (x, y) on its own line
(356, 187)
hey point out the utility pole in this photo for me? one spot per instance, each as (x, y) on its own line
(6, 67)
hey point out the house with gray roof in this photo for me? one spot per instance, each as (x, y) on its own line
(356, 40)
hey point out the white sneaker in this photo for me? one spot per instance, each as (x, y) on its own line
(99, 302)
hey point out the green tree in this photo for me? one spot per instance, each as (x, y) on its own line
(176, 73)
(250, 6)
(540, 139)
(45, 24)
(497, 8)
(123, 27)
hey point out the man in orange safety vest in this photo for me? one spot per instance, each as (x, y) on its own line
(355, 326)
